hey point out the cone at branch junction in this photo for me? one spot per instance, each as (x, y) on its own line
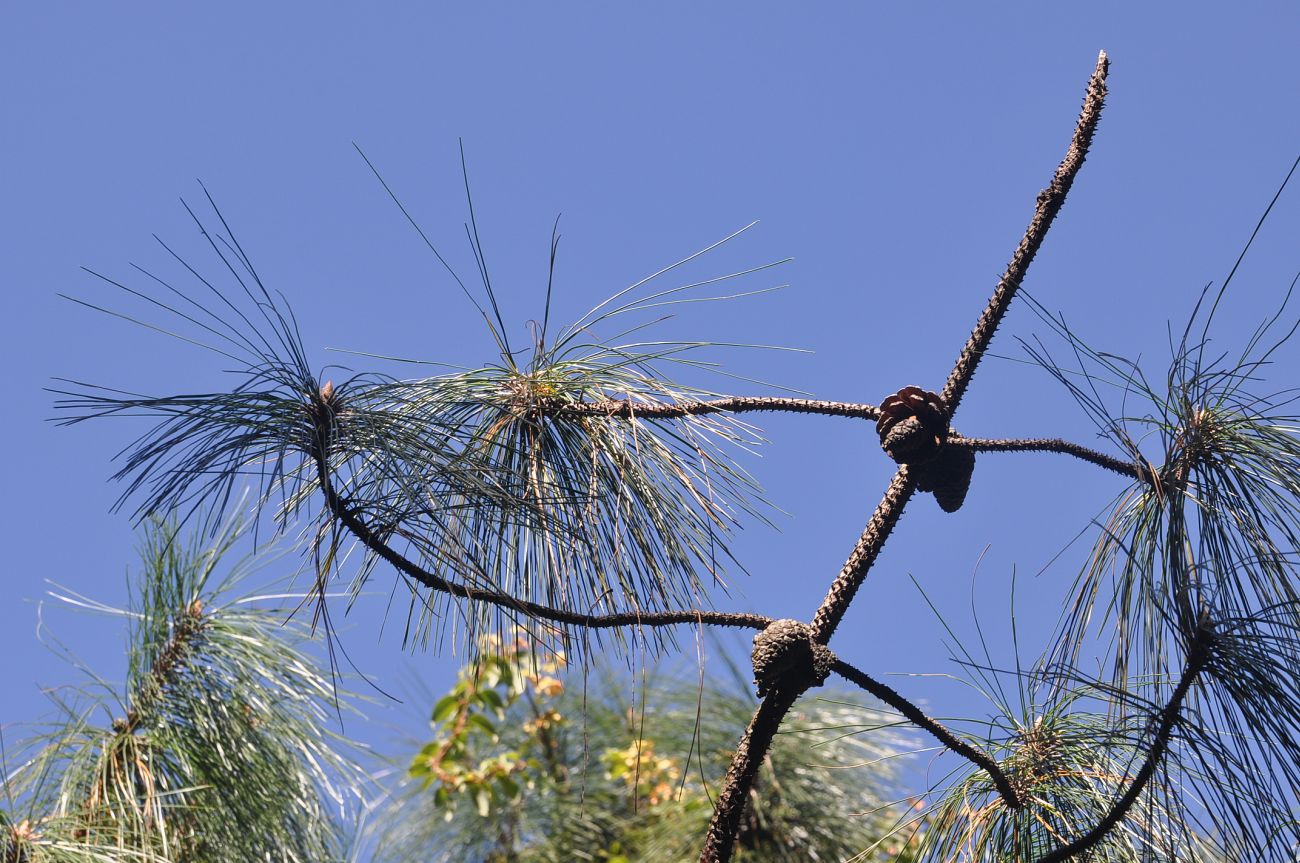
(913, 425)
(947, 476)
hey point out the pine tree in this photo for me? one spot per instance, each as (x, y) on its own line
(217, 747)
(575, 492)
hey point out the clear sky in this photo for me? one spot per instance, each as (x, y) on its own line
(894, 150)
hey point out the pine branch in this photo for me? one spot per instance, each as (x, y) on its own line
(864, 556)
(1056, 445)
(370, 538)
(224, 751)
(720, 840)
(167, 663)
(757, 739)
(732, 404)
(742, 404)
(1199, 655)
(758, 736)
(894, 699)
(1050, 201)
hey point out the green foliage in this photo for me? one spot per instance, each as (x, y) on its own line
(217, 749)
(1068, 765)
(479, 477)
(1209, 535)
(1220, 526)
(524, 768)
(489, 687)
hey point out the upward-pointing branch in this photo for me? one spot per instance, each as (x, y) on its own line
(1050, 201)
(896, 497)
(720, 840)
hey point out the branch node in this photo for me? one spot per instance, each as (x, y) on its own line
(913, 425)
(787, 658)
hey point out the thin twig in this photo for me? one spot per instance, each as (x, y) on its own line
(624, 409)
(1056, 445)
(732, 404)
(1049, 204)
(371, 540)
(1198, 656)
(914, 714)
(754, 744)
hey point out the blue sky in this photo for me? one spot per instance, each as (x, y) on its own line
(893, 150)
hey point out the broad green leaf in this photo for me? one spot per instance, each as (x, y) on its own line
(445, 707)
(481, 722)
(493, 700)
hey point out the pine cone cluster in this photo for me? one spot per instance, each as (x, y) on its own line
(913, 429)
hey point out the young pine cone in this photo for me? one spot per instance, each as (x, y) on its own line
(913, 425)
(947, 476)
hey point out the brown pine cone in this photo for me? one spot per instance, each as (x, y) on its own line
(913, 425)
(786, 656)
(947, 476)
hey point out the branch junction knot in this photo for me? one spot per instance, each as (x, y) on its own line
(787, 658)
(913, 425)
(913, 429)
